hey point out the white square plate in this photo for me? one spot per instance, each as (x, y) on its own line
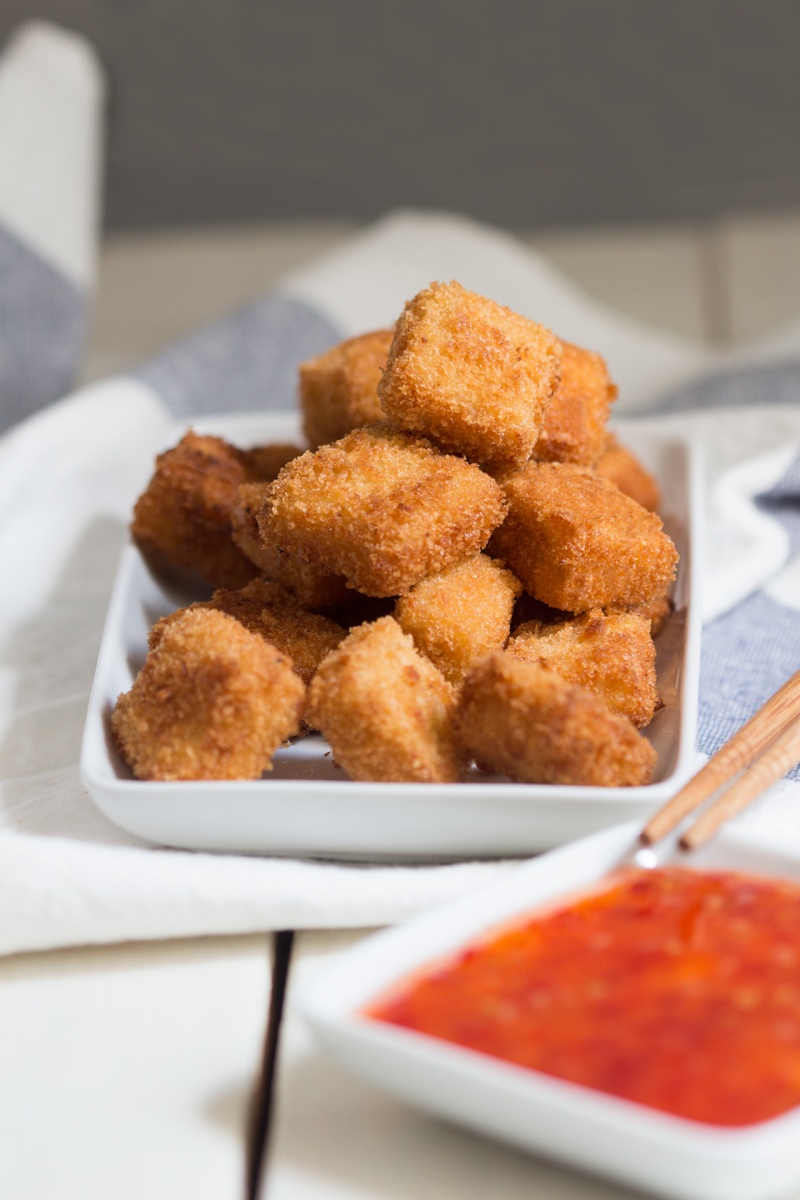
(588, 1129)
(308, 806)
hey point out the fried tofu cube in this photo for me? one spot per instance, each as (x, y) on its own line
(610, 654)
(339, 388)
(621, 467)
(530, 724)
(382, 508)
(460, 614)
(183, 518)
(576, 542)
(472, 376)
(385, 709)
(212, 701)
(266, 461)
(313, 587)
(576, 414)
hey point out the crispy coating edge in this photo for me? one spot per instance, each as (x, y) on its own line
(183, 518)
(575, 416)
(471, 375)
(267, 609)
(620, 466)
(212, 701)
(577, 542)
(530, 724)
(338, 389)
(312, 586)
(609, 653)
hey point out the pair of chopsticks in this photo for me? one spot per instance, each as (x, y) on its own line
(764, 749)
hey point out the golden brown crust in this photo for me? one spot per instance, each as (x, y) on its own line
(611, 654)
(458, 615)
(530, 724)
(382, 508)
(471, 375)
(213, 701)
(577, 542)
(339, 388)
(618, 465)
(313, 587)
(266, 461)
(267, 609)
(576, 413)
(183, 518)
(385, 709)
(656, 610)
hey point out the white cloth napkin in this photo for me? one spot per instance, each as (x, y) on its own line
(68, 478)
(51, 125)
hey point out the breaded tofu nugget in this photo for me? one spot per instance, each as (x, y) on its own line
(385, 709)
(267, 609)
(382, 508)
(339, 388)
(611, 654)
(621, 467)
(530, 724)
(183, 518)
(471, 375)
(266, 461)
(576, 414)
(313, 587)
(460, 614)
(577, 542)
(212, 701)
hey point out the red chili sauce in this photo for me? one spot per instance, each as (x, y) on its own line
(673, 988)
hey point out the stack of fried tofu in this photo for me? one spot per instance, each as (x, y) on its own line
(462, 574)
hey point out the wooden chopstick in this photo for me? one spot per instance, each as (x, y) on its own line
(771, 721)
(766, 770)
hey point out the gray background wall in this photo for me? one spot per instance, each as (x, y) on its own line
(523, 112)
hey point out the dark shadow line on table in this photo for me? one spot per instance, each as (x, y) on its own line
(263, 1093)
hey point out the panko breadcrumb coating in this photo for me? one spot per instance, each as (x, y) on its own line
(385, 709)
(656, 611)
(266, 461)
(621, 467)
(577, 542)
(382, 508)
(183, 518)
(576, 414)
(610, 654)
(267, 609)
(460, 614)
(530, 724)
(471, 375)
(339, 388)
(312, 586)
(212, 701)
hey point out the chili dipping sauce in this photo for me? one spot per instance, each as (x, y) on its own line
(673, 988)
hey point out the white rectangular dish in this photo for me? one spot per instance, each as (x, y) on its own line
(587, 1129)
(307, 806)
